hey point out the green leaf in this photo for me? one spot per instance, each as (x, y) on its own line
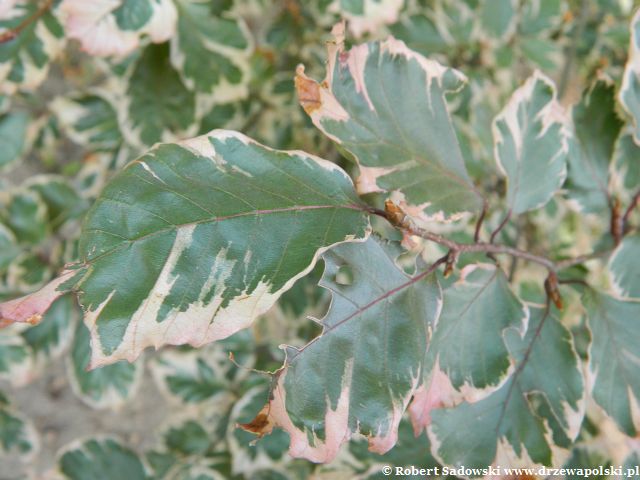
(420, 34)
(480, 305)
(18, 437)
(361, 372)
(24, 60)
(16, 364)
(546, 54)
(89, 120)
(211, 53)
(498, 18)
(624, 265)
(402, 143)
(106, 387)
(25, 213)
(100, 459)
(160, 107)
(528, 414)
(269, 452)
(630, 88)
(625, 171)
(116, 28)
(62, 201)
(596, 129)
(53, 335)
(191, 242)
(28, 272)
(8, 247)
(613, 357)
(13, 137)
(540, 16)
(531, 141)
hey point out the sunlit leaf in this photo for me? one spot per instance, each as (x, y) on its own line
(531, 136)
(402, 143)
(538, 407)
(613, 357)
(361, 372)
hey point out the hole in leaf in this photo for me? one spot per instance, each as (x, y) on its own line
(344, 275)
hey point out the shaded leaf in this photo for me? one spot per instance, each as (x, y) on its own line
(18, 436)
(624, 265)
(13, 137)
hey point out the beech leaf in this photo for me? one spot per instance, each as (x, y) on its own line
(193, 241)
(402, 143)
(359, 375)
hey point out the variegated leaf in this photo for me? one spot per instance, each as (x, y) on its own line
(25, 58)
(115, 27)
(16, 363)
(62, 201)
(193, 241)
(13, 137)
(539, 407)
(90, 120)
(18, 436)
(269, 452)
(109, 386)
(624, 266)
(531, 141)
(480, 305)
(420, 33)
(158, 106)
(211, 53)
(402, 143)
(25, 214)
(361, 372)
(630, 88)
(625, 168)
(9, 248)
(368, 16)
(28, 272)
(596, 127)
(103, 458)
(614, 358)
(498, 18)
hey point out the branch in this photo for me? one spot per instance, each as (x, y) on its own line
(12, 33)
(627, 213)
(394, 215)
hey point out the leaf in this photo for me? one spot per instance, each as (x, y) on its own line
(402, 143)
(18, 436)
(498, 18)
(625, 168)
(596, 129)
(360, 373)
(61, 199)
(104, 459)
(630, 88)
(211, 53)
(8, 247)
(89, 120)
(613, 357)
(369, 16)
(24, 60)
(531, 142)
(115, 27)
(53, 335)
(624, 265)
(480, 305)
(522, 421)
(159, 106)
(16, 365)
(28, 272)
(107, 387)
(25, 214)
(248, 458)
(191, 242)
(13, 137)
(420, 34)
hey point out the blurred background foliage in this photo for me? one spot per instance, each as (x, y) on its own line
(86, 87)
